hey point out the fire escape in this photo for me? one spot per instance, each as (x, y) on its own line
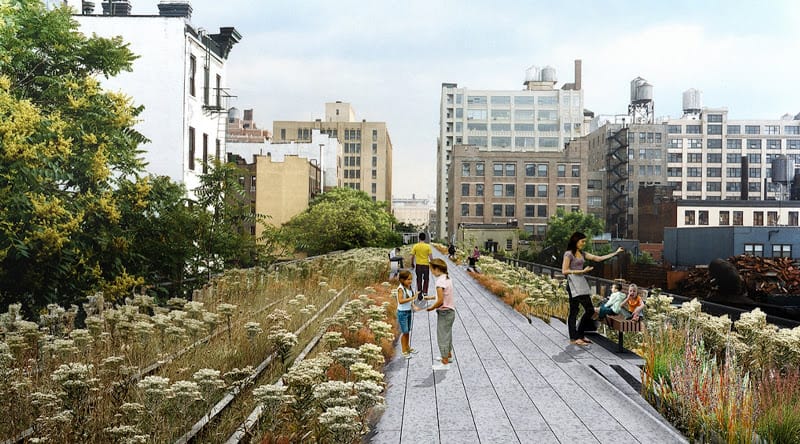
(617, 180)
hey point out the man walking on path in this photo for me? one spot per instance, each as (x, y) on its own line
(421, 254)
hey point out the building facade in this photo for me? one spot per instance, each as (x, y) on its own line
(243, 129)
(522, 188)
(180, 79)
(366, 147)
(413, 211)
(702, 155)
(537, 119)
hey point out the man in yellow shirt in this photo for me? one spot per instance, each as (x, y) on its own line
(421, 255)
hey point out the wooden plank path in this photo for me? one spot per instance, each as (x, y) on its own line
(512, 382)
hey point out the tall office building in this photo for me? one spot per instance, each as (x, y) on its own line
(537, 119)
(366, 147)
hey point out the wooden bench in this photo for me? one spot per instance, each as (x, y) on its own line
(621, 325)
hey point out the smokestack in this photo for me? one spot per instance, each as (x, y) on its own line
(743, 191)
(578, 74)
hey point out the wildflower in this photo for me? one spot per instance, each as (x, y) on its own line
(371, 353)
(346, 356)
(271, 397)
(186, 391)
(154, 387)
(176, 303)
(253, 329)
(238, 374)
(342, 423)
(381, 329)
(364, 372)
(226, 309)
(335, 393)
(368, 393)
(333, 339)
(208, 379)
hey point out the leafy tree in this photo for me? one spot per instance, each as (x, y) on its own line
(341, 219)
(65, 147)
(562, 224)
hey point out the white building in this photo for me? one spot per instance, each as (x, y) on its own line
(412, 211)
(322, 145)
(179, 78)
(539, 118)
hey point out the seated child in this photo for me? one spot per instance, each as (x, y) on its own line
(614, 302)
(633, 305)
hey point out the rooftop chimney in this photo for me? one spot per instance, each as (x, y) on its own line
(87, 7)
(175, 8)
(578, 74)
(116, 7)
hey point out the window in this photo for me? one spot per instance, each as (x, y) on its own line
(594, 201)
(479, 169)
(758, 218)
(714, 143)
(692, 129)
(752, 129)
(754, 172)
(548, 142)
(511, 190)
(218, 95)
(576, 171)
(541, 170)
(594, 184)
(476, 100)
(773, 144)
(497, 169)
(191, 148)
(541, 210)
(576, 191)
(772, 129)
(205, 153)
(561, 191)
(702, 217)
(479, 210)
(734, 144)
(501, 100)
(465, 209)
(530, 170)
(693, 186)
(674, 172)
(497, 210)
(753, 144)
(675, 157)
(529, 190)
(772, 218)
(714, 157)
(509, 244)
(523, 100)
(716, 118)
(714, 129)
(689, 217)
(713, 186)
(694, 172)
(498, 190)
(734, 172)
(561, 170)
(206, 86)
(501, 142)
(252, 184)
(541, 190)
(793, 144)
(465, 169)
(713, 172)
(674, 129)
(738, 218)
(781, 250)
(734, 129)
(794, 130)
(754, 249)
(192, 75)
(530, 210)
(695, 143)
(479, 189)
(465, 189)
(510, 210)
(724, 218)
(694, 157)
(732, 158)
(523, 115)
(793, 219)
(511, 169)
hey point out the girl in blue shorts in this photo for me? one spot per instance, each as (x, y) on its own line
(405, 295)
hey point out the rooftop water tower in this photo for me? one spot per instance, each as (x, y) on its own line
(641, 107)
(692, 103)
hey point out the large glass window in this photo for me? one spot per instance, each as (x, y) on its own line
(530, 210)
(724, 218)
(734, 144)
(714, 143)
(479, 210)
(465, 209)
(465, 169)
(753, 144)
(530, 190)
(510, 210)
(692, 129)
(501, 100)
(524, 127)
(548, 142)
(734, 129)
(541, 170)
(523, 100)
(758, 218)
(524, 142)
(752, 129)
(576, 171)
(530, 170)
(689, 217)
(497, 210)
(477, 141)
(498, 190)
(674, 129)
(714, 157)
(547, 115)
(501, 114)
(715, 118)
(714, 129)
(793, 219)
(501, 141)
(476, 100)
(702, 217)
(781, 250)
(548, 100)
(476, 114)
(561, 170)
(772, 129)
(511, 190)
(523, 115)
(738, 218)
(754, 249)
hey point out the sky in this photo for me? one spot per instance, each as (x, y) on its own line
(389, 59)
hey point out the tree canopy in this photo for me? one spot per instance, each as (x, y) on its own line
(562, 224)
(341, 219)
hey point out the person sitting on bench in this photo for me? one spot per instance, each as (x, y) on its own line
(614, 304)
(394, 256)
(633, 305)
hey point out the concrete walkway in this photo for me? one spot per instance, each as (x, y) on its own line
(512, 382)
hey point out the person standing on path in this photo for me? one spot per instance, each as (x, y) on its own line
(421, 255)
(405, 296)
(473, 259)
(578, 288)
(445, 313)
